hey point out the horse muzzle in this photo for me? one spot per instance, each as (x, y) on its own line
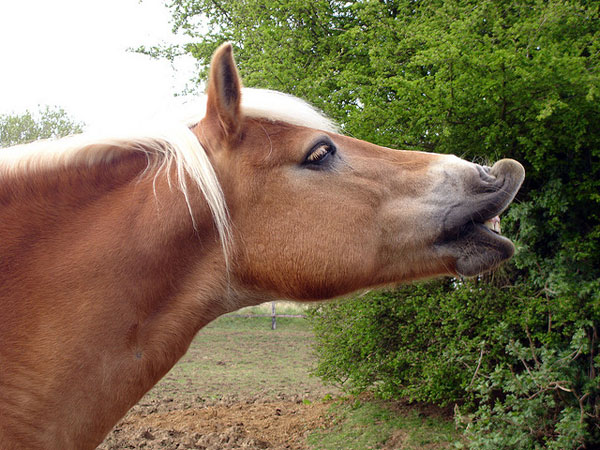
(470, 231)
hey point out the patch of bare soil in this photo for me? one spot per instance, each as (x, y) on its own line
(227, 424)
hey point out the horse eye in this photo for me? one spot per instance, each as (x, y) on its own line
(320, 153)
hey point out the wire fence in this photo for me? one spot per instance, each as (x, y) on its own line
(273, 315)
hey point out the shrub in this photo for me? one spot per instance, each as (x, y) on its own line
(549, 399)
(524, 367)
(425, 342)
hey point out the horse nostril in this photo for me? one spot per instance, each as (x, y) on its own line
(484, 173)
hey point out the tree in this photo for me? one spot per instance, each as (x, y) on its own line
(45, 124)
(484, 80)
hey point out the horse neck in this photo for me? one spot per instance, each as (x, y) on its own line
(109, 281)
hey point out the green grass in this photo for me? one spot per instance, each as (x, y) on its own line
(374, 424)
(243, 357)
(261, 325)
(281, 307)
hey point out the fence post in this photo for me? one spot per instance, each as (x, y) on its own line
(273, 317)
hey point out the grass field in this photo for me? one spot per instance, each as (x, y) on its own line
(243, 357)
(243, 385)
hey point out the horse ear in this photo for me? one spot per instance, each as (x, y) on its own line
(224, 92)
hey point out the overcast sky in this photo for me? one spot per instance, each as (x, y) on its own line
(73, 54)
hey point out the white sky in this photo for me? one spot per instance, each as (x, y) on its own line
(73, 54)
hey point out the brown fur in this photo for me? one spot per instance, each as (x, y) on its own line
(104, 280)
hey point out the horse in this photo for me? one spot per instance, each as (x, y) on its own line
(115, 251)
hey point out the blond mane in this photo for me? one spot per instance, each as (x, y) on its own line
(171, 140)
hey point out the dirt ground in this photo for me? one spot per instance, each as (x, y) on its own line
(227, 424)
(240, 386)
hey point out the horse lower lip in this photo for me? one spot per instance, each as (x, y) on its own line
(476, 247)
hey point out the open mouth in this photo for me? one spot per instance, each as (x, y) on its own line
(493, 224)
(471, 229)
(489, 226)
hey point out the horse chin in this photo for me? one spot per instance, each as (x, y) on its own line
(478, 249)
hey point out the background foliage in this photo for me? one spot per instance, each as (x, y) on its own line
(47, 122)
(484, 80)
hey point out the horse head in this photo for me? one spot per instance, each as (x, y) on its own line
(317, 214)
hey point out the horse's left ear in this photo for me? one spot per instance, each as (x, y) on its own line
(224, 93)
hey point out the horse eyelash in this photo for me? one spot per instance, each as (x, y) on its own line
(320, 153)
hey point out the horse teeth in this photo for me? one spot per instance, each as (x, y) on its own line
(493, 224)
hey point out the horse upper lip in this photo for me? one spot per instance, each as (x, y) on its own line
(489, 197)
